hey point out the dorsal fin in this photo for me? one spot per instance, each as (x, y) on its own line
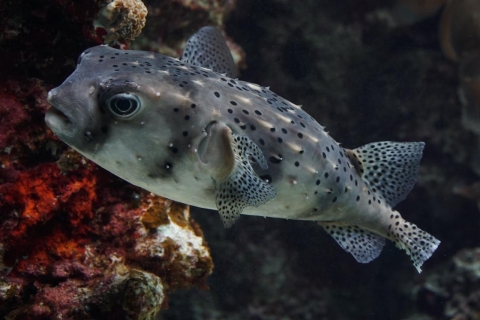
(207, 48)
(389, 168)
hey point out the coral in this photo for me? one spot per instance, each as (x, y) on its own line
(65, 233)
(144, 294)
(123, 19)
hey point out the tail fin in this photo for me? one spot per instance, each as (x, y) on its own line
(389, 169)
(418, 244)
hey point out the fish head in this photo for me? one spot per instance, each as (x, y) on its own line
(114, 109)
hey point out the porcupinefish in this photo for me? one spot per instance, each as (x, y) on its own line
(188, 131)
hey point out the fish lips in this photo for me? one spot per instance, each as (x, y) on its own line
(58, 118)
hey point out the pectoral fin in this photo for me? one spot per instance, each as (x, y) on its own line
(243, 187)
(228, 156)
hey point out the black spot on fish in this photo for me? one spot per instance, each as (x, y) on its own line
(275, 159)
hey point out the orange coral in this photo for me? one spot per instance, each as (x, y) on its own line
(37, 195)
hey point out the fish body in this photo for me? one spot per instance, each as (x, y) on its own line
(185, 130)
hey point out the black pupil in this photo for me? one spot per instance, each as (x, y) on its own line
(123, 106)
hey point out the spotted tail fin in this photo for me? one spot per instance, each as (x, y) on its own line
(418, 244)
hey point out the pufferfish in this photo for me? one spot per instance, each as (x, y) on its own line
(189, 131)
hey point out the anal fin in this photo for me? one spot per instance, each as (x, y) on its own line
(242, 187)
(364, 245)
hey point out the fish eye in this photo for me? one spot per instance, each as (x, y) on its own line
(123, 105)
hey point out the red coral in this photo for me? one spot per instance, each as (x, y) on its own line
(63, 227)
(34, 199)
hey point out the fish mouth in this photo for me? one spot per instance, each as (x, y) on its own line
(59, 122)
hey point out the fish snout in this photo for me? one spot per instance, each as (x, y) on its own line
(75, 116)
(53, 96)
(68, 115)
(57, 118)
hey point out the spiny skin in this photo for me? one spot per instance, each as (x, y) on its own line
(177, 144)
(298, 150)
